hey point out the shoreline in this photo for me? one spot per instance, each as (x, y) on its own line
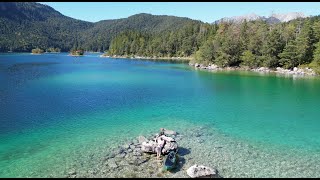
(296, 72)
(146, 57)
(75, 55)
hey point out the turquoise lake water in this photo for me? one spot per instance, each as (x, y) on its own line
(56, 110)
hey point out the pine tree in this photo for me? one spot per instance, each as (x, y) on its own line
(248, 59)
(304, 44)
(316, 54)
(289, 57)
(272, 48)
(206, 53)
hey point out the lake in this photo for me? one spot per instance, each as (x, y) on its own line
(59, 112)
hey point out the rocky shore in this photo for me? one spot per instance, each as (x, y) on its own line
(147, 57)
(295, 71)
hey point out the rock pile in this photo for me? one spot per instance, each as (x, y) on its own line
(295, 71)
(169, 144)
(134, 159)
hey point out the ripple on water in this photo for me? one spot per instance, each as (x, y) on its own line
(65, 117)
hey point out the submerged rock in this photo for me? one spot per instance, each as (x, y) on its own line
(122, 155)
(126, 146)
(201, 171)
(142, 139)
(136, 153)
(132, 147)
(72, 172)
(112, 163)
(149, 146)
(168, 132)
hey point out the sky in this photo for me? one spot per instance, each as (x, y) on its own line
(203, 11)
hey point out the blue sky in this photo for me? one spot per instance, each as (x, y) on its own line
(204, 11)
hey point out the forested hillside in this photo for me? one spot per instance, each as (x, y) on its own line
(181, 42)
(99, 37)
(28, 25)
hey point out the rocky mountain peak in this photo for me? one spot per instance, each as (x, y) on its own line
(273, 18)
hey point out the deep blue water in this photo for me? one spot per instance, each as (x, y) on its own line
(52, 102)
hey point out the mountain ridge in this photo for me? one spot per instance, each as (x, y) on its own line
(273, 18)
(28, 24)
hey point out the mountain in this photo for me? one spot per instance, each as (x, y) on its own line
(104, 31)
(27, 25)
(288, 16)
(273, 18)
(247, 17)
(27, 11)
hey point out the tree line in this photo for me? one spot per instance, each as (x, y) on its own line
(252, 44)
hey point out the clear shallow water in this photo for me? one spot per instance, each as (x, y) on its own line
(59, 111)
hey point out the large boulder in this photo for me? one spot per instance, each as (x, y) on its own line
(213, 66)
(201, 171)
(203, 66)
(170, 146)
(167, 139)
(149, 147)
